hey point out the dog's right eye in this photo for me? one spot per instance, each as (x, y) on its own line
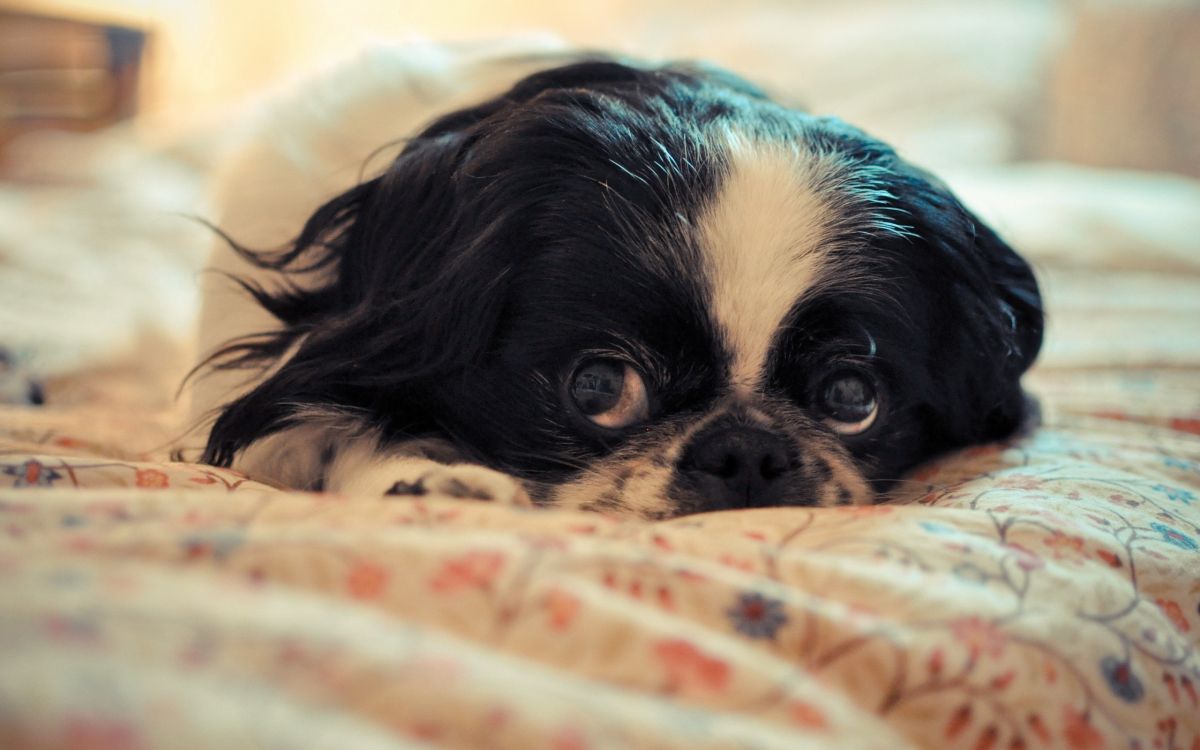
(610, 393)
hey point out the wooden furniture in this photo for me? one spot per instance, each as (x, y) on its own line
(64, 73)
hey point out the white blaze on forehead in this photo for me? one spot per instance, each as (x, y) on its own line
(764, 239)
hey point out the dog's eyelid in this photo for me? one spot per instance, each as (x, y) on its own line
(633, 354)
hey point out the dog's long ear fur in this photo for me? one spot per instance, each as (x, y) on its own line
(989, 312)
(413, 287)
(384, 308)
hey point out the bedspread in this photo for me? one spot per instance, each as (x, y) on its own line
(1038, 593)
(1043, 592)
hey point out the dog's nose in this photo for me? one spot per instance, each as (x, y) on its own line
(736, 466)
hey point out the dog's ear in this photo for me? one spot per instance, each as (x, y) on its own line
(409, 286)
(987, 318)
(413, 280)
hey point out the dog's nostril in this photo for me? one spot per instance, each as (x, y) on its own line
(729, 467)
(737, 465)
(773, 465)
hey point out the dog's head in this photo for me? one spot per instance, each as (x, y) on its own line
(654, 291)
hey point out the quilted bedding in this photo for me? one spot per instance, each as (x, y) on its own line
(1038, 593)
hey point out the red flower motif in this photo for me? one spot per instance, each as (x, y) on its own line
(1109, 557)
(1190, 689)
(1025, 559)
(1038, 727)
(1021, 482)
(741, 563)
(688, 666)
(366, 580)
(1060, 544)
(808, 716)
(1186, 424)
(1050, 672)
(958, 721)
(152, 478)
(561, 608)
(935, 662)
(666, 599)
(1080, 734)
(662, 543)
(1169, 681)
(476, 569)
(979, 636)
(987, 740)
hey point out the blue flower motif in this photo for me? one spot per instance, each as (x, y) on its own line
(1175, 493)
(936, 528)
(1121, 679)
(1175, 537)
(1178, 463)
(757, 616)
(32, 473)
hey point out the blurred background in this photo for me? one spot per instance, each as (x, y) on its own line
(1102, 82)
(1074, 125)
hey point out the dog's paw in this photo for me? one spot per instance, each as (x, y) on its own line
(467, 481)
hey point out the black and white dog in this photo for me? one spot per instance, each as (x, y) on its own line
(633, 289)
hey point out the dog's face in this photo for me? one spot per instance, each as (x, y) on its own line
(657, 292)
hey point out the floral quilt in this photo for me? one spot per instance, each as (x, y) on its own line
(1040, 593)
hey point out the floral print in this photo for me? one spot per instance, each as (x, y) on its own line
(1121, 679)
(1040, 593)
(685, 666)
(31, 473)
(1174, 536)
(757, 616)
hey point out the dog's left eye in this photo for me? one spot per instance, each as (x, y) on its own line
(848, 400)
(610, 393)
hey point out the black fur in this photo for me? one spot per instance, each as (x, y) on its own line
(508, 239)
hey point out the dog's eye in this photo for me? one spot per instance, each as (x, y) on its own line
(848, 400)
(610, 393)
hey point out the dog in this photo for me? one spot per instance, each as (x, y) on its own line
(639, 289)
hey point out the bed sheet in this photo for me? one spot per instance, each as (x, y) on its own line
(1037, 593)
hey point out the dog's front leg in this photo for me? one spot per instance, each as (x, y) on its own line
(331, 456)
(408, 469)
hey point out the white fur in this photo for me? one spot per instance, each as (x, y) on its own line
(765, 239)
(363, 468)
